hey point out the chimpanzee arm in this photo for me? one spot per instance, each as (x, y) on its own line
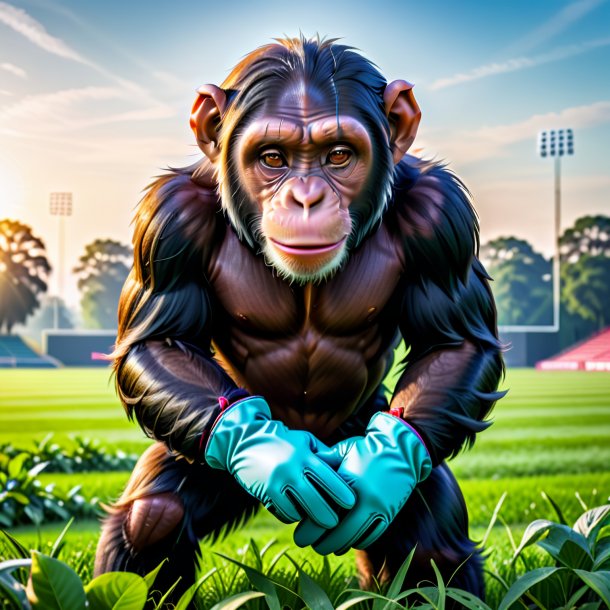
(165, 374)
(448, 319)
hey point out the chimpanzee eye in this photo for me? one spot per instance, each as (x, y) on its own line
(339, 156)
(273, 159)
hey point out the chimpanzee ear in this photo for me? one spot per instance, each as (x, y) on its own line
(207, 110)
(404, 115)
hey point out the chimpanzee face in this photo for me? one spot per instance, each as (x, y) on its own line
(303, 165)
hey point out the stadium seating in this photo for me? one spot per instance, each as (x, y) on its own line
(590, 355)
(15, 352)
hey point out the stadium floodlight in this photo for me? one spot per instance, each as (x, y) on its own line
(60, 204)
(555, 143)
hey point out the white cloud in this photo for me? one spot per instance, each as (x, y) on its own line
(465, 147)
(554, 26)
(13, 69)
(519, 63)
(52, 107)
(18, 20)
(70, 109)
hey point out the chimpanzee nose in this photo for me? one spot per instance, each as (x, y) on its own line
(308, 192)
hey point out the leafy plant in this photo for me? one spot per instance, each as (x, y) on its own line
(581, 575)
(86, 455)
(24, 499)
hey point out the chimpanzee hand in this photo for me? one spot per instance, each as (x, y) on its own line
(277, 465)
(382, 467)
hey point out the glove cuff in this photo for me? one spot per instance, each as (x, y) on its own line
(406, 439)
(235, 421)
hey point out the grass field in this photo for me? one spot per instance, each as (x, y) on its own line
(551, 433)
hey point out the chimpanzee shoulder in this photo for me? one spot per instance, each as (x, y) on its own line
(177, 224)
(432, 218)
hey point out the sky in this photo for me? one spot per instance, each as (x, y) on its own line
(95, 99)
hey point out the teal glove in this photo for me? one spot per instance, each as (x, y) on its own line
(277, 465)
(383, 468)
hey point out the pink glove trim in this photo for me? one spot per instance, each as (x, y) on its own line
(399, 412)
(224, 404)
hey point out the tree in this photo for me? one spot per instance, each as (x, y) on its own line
(103, 269)
(590, 235)
(521, 281)
(585, 276)
(23, 272)
(586, 289)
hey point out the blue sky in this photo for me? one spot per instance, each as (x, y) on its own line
(95, 97)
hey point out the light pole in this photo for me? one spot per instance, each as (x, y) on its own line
(556, 143)
(60, 204)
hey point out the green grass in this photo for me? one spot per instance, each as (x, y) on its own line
(551, 433)
(64, 401)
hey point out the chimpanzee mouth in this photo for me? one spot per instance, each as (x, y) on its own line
(311, 249)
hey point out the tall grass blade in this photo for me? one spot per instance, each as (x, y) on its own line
(259, 581)
(189, 594)
(441, 586)
(57, 545)
(312, 594)
(397, 582)
(466, 599)
(494, 518)
(555, 507)
(19, 549)
(237, 601)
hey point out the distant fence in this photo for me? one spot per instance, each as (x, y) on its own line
(79, 347)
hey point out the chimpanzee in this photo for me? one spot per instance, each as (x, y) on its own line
(272, 282)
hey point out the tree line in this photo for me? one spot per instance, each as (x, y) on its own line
(522, 279)
(25, 270)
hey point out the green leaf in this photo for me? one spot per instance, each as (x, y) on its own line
(567, 547)
(260, 581)
(187, 596)
(525, 583)
(15, 466)
(598, 581)
(533, 532)
(53, 585)
(602, 553)
(149, 578)
(312, 594)
(590, 523)
(236, 601)
(117, 591)
(19, 497)
(466, 599)
(397, 582)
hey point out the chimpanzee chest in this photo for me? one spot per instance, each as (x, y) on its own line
(315, 352)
